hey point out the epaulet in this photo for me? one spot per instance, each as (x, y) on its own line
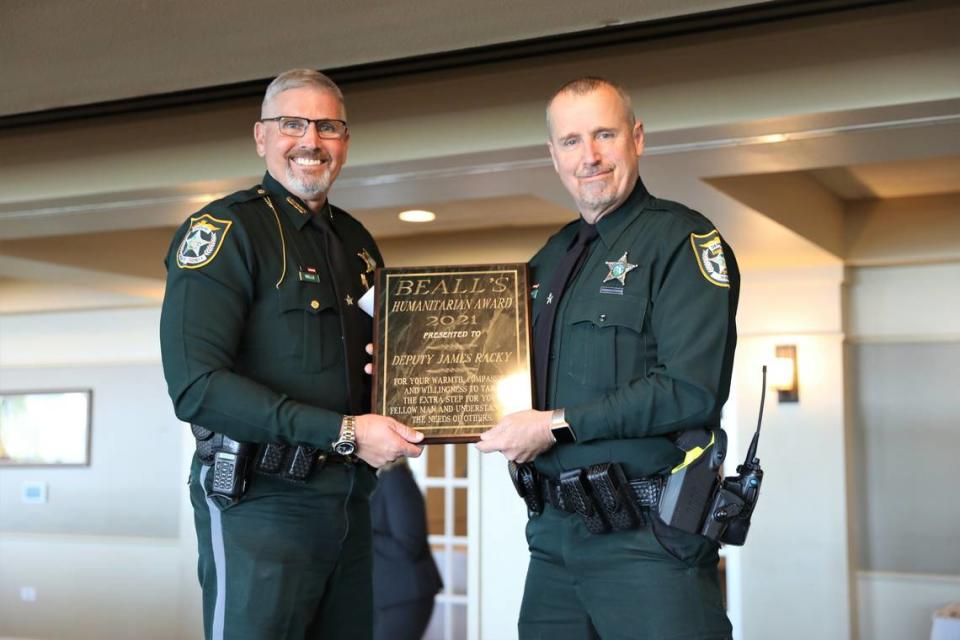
(659, 204)
(337, 211)
(240, 197)
(680, 212)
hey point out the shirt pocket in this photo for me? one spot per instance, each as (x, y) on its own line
(605, 343)
(310, 315)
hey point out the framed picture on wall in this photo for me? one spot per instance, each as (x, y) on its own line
(39, 428)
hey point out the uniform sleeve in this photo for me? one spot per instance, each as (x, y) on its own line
(692, 318)
(201, 324)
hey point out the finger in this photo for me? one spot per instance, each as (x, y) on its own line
(369, 348)
(487, 446)
(407, 433)
(368, 368)
(491, 433)
(405, 449)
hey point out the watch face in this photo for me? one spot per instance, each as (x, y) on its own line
(345, 448)
(564, 434)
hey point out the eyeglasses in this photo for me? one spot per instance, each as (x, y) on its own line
(297, 127)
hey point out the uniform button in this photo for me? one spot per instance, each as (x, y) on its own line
(603, 317)
(314, 304)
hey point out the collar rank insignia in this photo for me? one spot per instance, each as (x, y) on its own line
(708, 250)
(619, 269)
(534, 290)
(371, 266)
(296, 205)
(202, 242)
(368, 260)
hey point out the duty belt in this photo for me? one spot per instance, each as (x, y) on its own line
(645, 491)
(600, 494)
(296, 463)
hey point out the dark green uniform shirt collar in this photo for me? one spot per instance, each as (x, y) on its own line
(611, 226)
(292, 206)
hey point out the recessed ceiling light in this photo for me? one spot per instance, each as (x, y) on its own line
(204, 198)
(773, 138)
(417, 215)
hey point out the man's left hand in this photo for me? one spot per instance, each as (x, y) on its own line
(520, 436)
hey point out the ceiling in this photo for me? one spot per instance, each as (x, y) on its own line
(178, 45)
(754, 179)
(910, 178)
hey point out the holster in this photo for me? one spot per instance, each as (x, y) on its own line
(526, 481)
(690, 486)
(231, 462)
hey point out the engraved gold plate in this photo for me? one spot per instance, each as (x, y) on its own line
(453, 348)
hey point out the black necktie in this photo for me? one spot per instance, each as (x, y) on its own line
(347, 292)
(543, 331)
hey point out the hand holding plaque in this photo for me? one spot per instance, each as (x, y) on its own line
(453, 348)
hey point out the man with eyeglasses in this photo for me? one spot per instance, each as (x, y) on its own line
(262, 343)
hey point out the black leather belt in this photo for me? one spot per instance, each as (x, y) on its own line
(296, 463)
(646, 492)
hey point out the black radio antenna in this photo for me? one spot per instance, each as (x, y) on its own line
(752, 451)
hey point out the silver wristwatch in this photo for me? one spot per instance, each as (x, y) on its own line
(346, 444)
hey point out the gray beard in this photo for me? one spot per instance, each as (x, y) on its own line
(308, 188)
(597, 201)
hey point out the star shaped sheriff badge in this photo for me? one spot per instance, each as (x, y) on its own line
(619, 269)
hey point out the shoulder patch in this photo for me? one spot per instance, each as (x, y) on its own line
(708, 251)
(202, 241)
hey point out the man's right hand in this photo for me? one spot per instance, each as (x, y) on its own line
(381, 440)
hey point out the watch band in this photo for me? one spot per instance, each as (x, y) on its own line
(560, 428)
(346, 444)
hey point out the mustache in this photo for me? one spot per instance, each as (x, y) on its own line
(589, 172)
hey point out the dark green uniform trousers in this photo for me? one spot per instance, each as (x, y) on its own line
(618, 586)
(288, 561)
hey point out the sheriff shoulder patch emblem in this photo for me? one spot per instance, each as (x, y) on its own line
(202, 242)
(709, 253)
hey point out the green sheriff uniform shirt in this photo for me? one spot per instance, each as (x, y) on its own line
(251, 348)
(634, 361)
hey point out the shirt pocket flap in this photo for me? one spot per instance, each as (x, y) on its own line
(622, 311)
(311, 299)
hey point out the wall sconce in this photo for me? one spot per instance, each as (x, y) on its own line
(783, 374)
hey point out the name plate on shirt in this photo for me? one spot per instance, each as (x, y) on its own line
(453, 348)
